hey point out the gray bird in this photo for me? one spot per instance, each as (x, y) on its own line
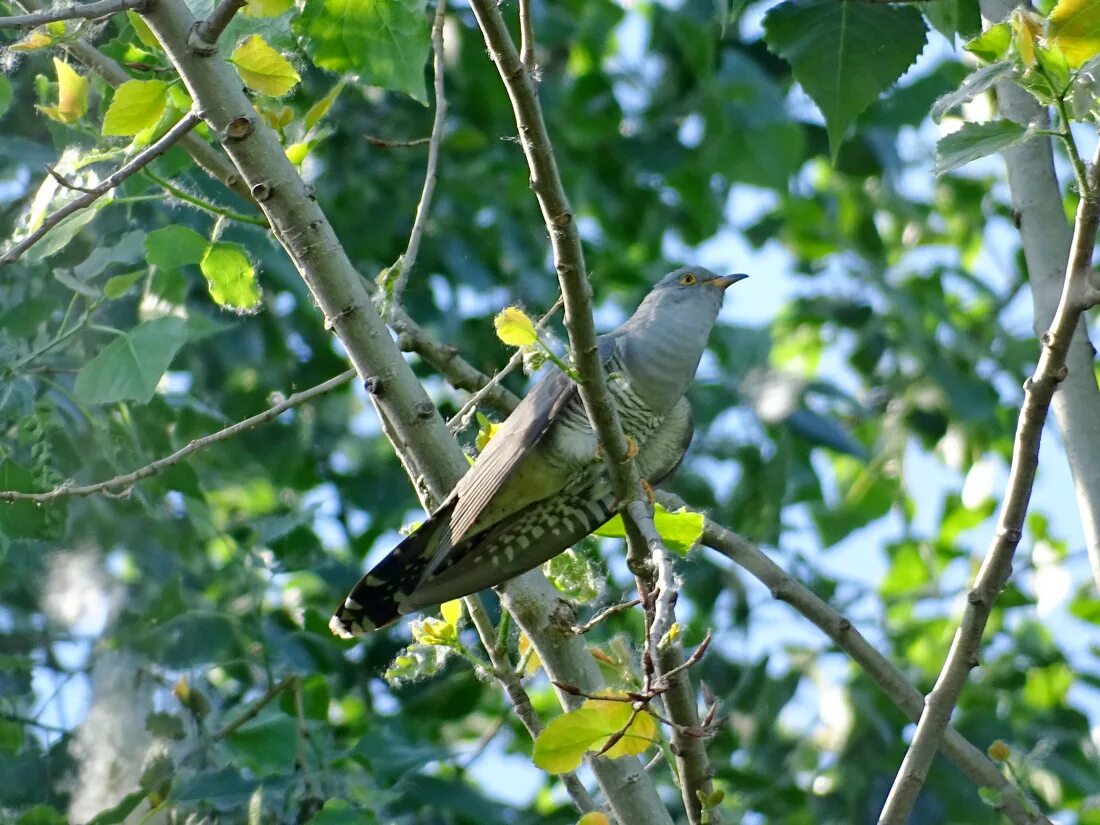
(540, 485)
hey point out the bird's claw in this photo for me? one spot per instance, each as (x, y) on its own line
(631, 449)
(649, 492)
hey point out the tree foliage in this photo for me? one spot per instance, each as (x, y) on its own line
(163, 640)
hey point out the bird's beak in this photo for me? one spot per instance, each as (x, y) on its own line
(723, 281)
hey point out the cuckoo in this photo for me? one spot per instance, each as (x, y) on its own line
(541, 484)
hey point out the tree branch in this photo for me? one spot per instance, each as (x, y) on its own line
(205, 35)
(1046, 237)
(114, 486)
(306, 234)
(84, 11)
(969, 759)
(85, 199)
(995, 569)
(412, 250)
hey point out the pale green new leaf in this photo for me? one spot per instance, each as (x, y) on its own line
(137, 105)
(231, 276)
(680, 530)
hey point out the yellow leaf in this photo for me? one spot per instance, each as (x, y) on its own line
(319, 109)
(72, 94)
(1025, 31)
(137, 105)
(1074, 25)
(485, 433)
(638, 737)
(142, 30)
(37, 39)
(297, 152)
(263, 69)
(514, 328)
(594, 818)
(433, 632)
(266, 8)
(562, 744)
(528, 650)
(452, 611)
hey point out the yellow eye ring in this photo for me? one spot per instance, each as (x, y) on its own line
(687, 279)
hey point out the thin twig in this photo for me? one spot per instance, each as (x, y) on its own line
(205, 35)
(971, 761)
(604, 614)
(526, 37)
(122, 482)
(423, 209)
(255, 708)
(85, 11)
(64, 181)
(146, 156)
(388, 143)
(997, 566)
(200, 203)
(461, 419)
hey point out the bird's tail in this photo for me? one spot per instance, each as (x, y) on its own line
(377, 598)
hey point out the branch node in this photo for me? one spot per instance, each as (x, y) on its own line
(332, 320)
(424, 409)
(1047, 339)
(261, 192)
(238, 128)
(373, 385)
(198, 44)
(844, 625)
(1012, 534)
(975, 597)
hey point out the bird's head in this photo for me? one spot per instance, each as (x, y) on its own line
(691, 287)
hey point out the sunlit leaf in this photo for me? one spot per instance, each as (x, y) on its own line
(1074, 25)
(72, 94)
(977, 140)
(263, 69)
(136, 105)
(231, 276)
(514, 328)
(385, 42)
(680, 530)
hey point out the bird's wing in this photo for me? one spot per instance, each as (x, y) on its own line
(513, 444)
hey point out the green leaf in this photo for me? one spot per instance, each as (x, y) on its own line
(164, 725)
(385, 42)
(1074, 26)
(174, 246)
(1046, 687)
(266, 746)
(339, 812)
(11, 736)
(680, 530)
(263, 69)
(951, 17)
(992, 44)
(118, 813)
(563, 743)
(5, 94)
(976, 140)
(119, 285)
(844, 53)
(129, 368)
(974, 84)
(42, 815)
(142, 30)
(319, 109)
(231, 276)
(137, 105)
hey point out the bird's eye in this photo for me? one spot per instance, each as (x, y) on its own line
(687, 279)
